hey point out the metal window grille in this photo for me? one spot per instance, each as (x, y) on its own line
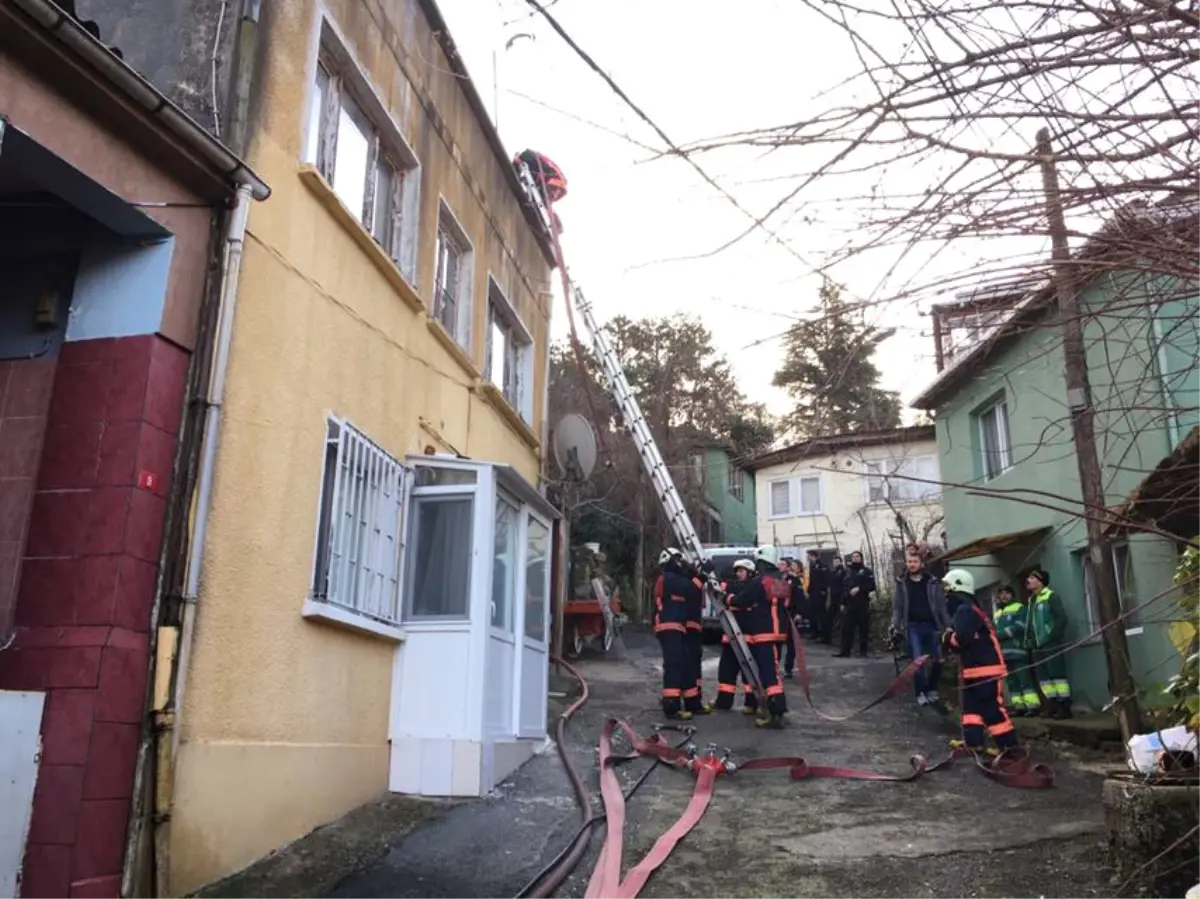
(358, 565)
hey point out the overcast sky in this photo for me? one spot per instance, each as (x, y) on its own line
(698, 68)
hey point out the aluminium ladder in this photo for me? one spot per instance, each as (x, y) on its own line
(647, 448)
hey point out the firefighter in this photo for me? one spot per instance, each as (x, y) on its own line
(693, 690)
(981, 668)
(767, 591)
(728, 668)
(548, 179)
(1046, 626)
(1010, 631)
(671, 592)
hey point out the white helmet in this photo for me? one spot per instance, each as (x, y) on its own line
(959, 581)
(670, 554)
(767, 553)
(748, 564)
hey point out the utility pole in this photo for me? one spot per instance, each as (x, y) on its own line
(1079, 400)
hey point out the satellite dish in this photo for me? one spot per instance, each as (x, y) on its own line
(574, 445)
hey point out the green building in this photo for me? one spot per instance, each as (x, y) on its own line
(728, 489)
(1007, 454)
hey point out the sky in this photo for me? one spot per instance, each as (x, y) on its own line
(640, 231)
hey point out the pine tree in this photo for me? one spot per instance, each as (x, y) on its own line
(829, 374)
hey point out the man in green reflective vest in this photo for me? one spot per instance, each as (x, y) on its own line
(1046, 628)
(1011, 618)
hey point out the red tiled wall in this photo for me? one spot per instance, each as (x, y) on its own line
(24, 401)
(83, 605)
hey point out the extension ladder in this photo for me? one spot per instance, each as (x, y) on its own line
(647, 448)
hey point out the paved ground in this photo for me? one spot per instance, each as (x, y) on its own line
(954, 833)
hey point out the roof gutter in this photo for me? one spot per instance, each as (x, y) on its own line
(68, 32)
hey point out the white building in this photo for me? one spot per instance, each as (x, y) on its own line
(845, 492)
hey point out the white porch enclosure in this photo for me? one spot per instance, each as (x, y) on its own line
(470, 678)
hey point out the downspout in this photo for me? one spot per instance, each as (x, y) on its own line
(167, 750)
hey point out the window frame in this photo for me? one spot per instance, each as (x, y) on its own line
(874, 471)
(771, 513)
(1004, 436)
(347, 79)
(1092, 599)
(321, 600)
(442, 493)
(499, 307)
(795, 490)
(736, 483)
(450, 229)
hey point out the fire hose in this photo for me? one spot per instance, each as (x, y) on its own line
(1011, 768)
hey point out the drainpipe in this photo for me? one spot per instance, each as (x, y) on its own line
(168, 718)
(1169, 401)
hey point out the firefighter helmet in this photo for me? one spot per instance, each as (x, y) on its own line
(959, 581)
(748, 564)
(767, 553)
(670, 554)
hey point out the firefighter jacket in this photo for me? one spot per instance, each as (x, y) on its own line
(972, 636)
(1010, 628)
(695, 604)
(752, 607)
(1046, 624)
(741, 607)
(673, 591)
(777, 592)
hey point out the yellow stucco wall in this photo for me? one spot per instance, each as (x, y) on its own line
(284, 721)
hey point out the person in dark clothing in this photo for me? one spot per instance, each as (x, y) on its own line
(818, 594)
(918, 615)
(856, 606)
(728, 668)
(797, 606)
(837, 599)
(981, 668)
(672, 591)
(763, 593)
(693, 687)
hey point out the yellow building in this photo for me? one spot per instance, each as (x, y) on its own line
(370, 548)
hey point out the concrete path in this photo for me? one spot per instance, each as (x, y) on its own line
(954, 833)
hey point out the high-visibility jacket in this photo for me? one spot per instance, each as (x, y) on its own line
(1046, 624)
(1010, 628)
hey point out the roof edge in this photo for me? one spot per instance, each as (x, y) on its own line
(72, 38)
(441, 33)
(833, 442)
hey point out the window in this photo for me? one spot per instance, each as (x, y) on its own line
(715, 529)
(810, 496)
(452, 275)
(358, 530)
(917, 481)
(994, 441)
(537, 574)
(736, 482)
(1126, 589)
(504, 563)
(439, 577)
(508, 361)
(358, 149)
(781, 499)
(807, 497)
(696, 461)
